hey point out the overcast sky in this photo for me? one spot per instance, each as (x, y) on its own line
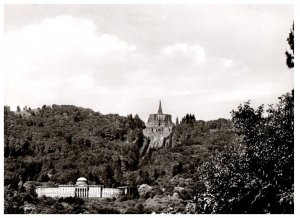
(200, 59)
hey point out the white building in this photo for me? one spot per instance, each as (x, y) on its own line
(81, 189)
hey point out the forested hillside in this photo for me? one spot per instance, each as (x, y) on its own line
(241, 166)
(57, 144)
(60, 143)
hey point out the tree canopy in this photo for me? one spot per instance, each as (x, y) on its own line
(290, 54)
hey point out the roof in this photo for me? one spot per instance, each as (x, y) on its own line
(81, 179)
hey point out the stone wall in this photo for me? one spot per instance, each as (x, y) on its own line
(158, 136)
(160, 120)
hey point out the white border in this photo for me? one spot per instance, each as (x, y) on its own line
(148, 1)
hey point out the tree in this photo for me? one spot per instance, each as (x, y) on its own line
(6, 110)
(189, 118)
(290, 54)
(257, 174)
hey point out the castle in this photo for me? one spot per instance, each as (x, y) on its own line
(81, 189)
(158, 128)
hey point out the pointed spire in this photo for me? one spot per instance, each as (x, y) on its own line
(159, 109)
(177, 122)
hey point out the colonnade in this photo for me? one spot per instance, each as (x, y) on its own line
(81, 192)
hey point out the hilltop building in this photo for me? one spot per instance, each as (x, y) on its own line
(81, 189)
(160, 122)
(158, 128)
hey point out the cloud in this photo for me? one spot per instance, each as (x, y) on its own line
(54, 39)
(226, 62)
(62, 34)
(124, 59)
(180, 51)
(61, 56)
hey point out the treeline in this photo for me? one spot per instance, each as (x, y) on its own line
(197, 132)
(243, 165)
(59, 143)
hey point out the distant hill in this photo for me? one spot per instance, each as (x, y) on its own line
(59, 143)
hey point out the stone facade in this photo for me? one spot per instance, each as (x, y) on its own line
(112, 192)
(81, 189)
(95, 191)
(158, 128)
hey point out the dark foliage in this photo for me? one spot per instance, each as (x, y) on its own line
(189, 118)
(257, 174)
(55, 145)
(216, 133)
(59, 143)
(290, 54)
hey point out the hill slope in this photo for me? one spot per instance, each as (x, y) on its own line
(56, 145)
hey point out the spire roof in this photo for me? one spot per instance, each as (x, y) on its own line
(159, 109)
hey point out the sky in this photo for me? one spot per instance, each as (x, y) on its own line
(199, 59)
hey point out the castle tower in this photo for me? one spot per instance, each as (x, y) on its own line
(158, 127)
(159, 120)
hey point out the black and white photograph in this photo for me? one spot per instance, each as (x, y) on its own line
(148, 108)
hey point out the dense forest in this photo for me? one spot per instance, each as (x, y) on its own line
(243, 165)
(57, 144)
